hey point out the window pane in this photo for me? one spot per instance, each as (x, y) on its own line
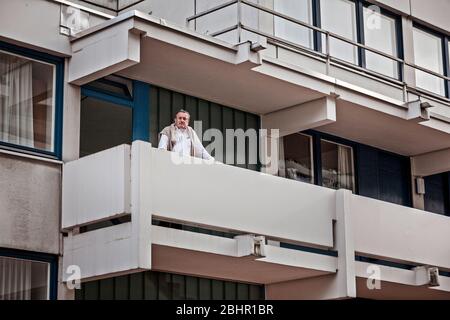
(428, 54)
(298, 158)
(26, 102)
(337, 166)
(300, 10)
(339, 16)
(103, 125)
(23, 279)
(380, 34)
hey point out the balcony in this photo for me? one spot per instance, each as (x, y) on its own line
(238, 21)
(156, 51)
(324, 229)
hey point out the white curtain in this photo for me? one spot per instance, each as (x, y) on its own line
(345, 171)
(15, 279)
(16, 101)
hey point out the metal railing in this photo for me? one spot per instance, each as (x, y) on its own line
(114, 5)
(327, 56)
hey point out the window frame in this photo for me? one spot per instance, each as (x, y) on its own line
(398, 38)
(445, 43)
(59, 98)
(139, 103)
(357, 27)
(352, 152)
(316, 156)
(311, 155)
(52, 261)
(359, 14)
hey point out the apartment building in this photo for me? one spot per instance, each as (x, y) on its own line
(341, 189)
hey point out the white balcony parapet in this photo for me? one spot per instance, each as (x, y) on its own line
(152, 183)
(397, 233)
(96, 187)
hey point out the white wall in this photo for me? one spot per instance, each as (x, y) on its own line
(400, 233)
(239, 199)
(96, 187)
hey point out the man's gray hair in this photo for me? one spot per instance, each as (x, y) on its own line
(183, 111)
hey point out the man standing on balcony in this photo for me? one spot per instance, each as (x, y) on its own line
(179, 137)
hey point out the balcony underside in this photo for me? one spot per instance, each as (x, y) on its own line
(215, 266)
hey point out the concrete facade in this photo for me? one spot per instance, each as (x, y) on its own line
(43, 198)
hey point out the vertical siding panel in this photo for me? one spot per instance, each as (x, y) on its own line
(178, 287)
(121, 288)
(107, 289)
(256, 292)
(217, 292)
(242, 291)
(177, 103)
(191, 107)
(239, 123)
(204, 289)
(192, 288)
(137, 286)
(79, 294)
(164, 286)
(216, 123)
(91, 290)
(367, 168)
(230, 290)
(150, 285)
(153, 112)
(165, 109)
(228, 123)
(252, 122)
(435, 191)
(203, 116)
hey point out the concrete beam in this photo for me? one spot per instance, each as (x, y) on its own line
(431, 163)
(301, 117)
(99, 54)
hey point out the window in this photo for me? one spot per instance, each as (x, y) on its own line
(380, 32)
(114, 111)
(296, 151)
(337, 166)
(428, 54)
(290, 31)
(103, 125)
(339, 16)
(29, 94)
(22, 279)
(332, 162)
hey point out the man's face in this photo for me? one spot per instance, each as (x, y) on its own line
(182, 120)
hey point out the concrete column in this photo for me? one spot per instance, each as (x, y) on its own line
(71, 120)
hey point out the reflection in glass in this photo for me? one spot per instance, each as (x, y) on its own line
(380, 34)
(428, 54)
(26, 102)
(290, 31)
(337, 166)
(339, 16)
(296, 151)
